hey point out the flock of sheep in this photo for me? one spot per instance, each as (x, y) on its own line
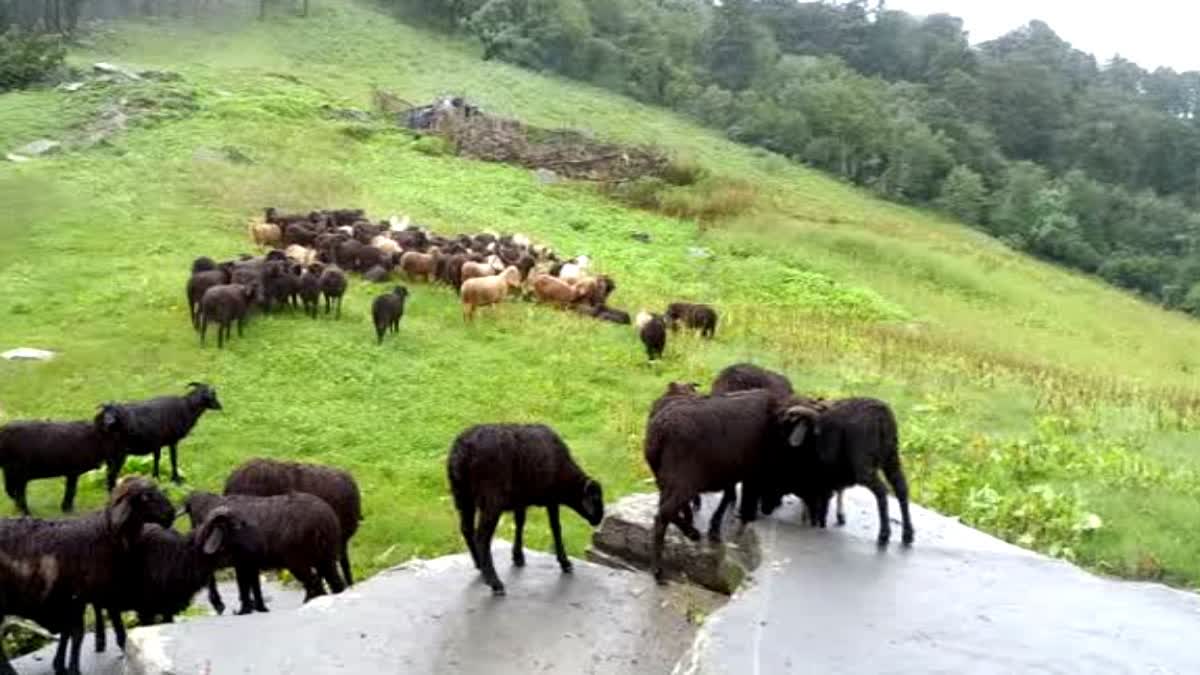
(310, 254)
(752, 431)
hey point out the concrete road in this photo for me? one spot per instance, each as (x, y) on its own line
(959, 601)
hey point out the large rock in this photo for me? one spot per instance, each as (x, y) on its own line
(437, 616)
(626, 533)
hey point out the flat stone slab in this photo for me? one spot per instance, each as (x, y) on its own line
(437, 616)
(113, 662)
(627, 532)
(959, 601)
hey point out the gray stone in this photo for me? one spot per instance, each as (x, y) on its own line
(958, 601)
(112, 69)
(546, 176)
(42, 146)
(27, 354)
(437, 616)
(72, 87)
(626, 534)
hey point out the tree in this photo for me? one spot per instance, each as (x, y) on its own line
(1015, 212)
(964, 195)
(740, 49)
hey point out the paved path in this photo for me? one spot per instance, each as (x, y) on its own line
(959, 601)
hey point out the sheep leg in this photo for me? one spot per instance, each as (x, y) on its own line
(246, 576)
(668, 509)
(241, 323)
(203, 328)
(157, 455)
(114, 469)
(728, 497)
(101, 638)
(118, 624)
(488, 519)
(885, 527)
(60, 652)
(214, 596)
(309, 579)
(256, 591)
(556, 529)
(841, 510)
(68, 501)
(466, 525)
(338, 312)
(328, 571)
(14, 485)
(895, 477)
(518, 547)
(175, 465)
(345, 560)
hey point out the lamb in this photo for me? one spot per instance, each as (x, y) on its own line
(509, 467)
(197, 285)
(33, 450)
(552, 290)
(265, 235)
(697, 444)
(487, 291)
(652, 329)
(166, 420)
(333, 286)
(701, 317)
(297, 531)
(845, 443)
(51, 570)
(310, 288)
(419, 264)
(387, 310)
(224, 305)
(266, 477)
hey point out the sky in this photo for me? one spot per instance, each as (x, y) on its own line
(1151, 33)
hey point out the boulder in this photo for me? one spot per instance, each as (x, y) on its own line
(27, 354)
(624, 540)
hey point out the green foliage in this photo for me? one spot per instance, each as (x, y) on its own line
(739, 49)
(964, 195)
(27, 58)
(434, 146)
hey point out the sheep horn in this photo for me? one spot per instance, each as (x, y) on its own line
(196, 385)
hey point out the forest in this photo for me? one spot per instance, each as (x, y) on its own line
(1093, 165)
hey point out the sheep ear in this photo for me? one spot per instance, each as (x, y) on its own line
(120, 512)
(796, 438)
(212, 542)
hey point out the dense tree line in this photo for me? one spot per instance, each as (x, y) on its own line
(1096, 166)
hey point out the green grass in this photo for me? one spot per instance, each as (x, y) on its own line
(979, 348)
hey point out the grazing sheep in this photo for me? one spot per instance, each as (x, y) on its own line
(420, 265)
(197, 285)
(700, 317)
(52, 570)
(697, 444)
(224, 305)
(387, 310)
(297, 531)
(744, 376)
(165, 421)
(487, 291)
(266, 235)
(552, 290)
(33, 450)
(333, 286)
(845, 443)
(509, 467)
(266, 477)
(652, 330)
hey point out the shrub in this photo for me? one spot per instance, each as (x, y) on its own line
(710, 199)
(434, 146)
(682, 172)
(26, 59)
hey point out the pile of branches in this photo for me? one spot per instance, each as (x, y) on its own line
(477, 135)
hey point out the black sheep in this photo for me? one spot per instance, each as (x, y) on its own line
(377, 274)
(509, 467)
(197, 285)
(347, 253)
(280, 285)
(297, 531)
(697, 444)
(32, 450)
(368, 257)
(333, 286)
(224, 305)
(841, 444)
(203, 264)
(652, 329)
(166, 420)
(744, 376)
(700, 317)
(55, 568)
(310, 289)
(266, 477)
(387, 310)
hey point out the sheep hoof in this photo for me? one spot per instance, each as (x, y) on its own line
(714, 537)
(245, 610)
(841, 519)
(519, 559)
(566, 566)
(660, 578)
(498, 591)
(907, 539)
(883, 539)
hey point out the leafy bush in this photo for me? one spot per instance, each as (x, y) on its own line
(434, 146)
(710, 199)
(26, 59)
(682, 172)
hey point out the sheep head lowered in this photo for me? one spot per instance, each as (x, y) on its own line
(801, 416)
(589, 503)
(204, 395)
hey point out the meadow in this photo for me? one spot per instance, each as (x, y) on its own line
(1036, 403)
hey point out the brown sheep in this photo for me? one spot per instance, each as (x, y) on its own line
(420, 265)
(265, 234)
(485, 291)
(474, 270)
(553, 290)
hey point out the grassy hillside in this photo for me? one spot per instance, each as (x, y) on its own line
(1029, 397)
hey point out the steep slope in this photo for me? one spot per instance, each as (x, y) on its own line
(1029, 396)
